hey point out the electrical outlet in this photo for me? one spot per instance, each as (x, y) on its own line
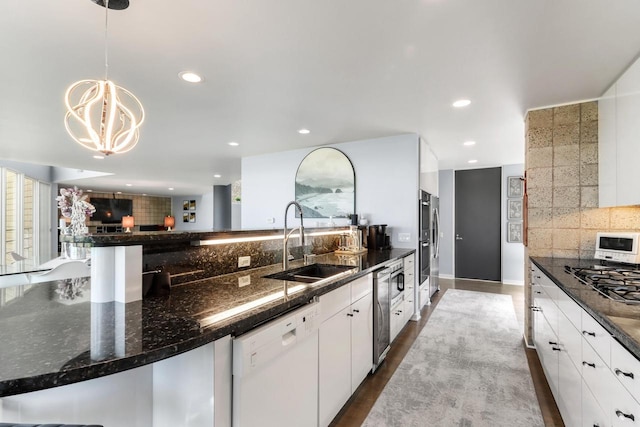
(271, 220)
(244, 261)
(244, 281)
(404, 237)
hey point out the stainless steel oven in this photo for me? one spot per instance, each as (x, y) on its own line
(425, 236)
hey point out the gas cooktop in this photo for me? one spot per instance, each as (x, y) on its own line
(619, 283)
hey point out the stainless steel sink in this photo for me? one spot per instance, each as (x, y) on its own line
(313, 273)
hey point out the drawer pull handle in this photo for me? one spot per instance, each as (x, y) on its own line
(556, 349)
(350, 314)
(537, 277)
(593, 365)
(592, 334)
(622, 415)
(538, 292)
(553, 343)
(626, 374)
(356, 310)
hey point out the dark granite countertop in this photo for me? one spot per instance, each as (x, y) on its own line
(51, 334)
(621, 320)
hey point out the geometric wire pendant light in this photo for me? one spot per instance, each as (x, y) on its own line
(101, 115)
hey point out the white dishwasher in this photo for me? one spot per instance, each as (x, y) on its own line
(275, 372)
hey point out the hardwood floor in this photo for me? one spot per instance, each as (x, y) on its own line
(357, 408)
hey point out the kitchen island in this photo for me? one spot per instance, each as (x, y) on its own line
(53, 335)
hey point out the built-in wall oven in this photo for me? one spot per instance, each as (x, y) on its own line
(425, 236)
(388, 287)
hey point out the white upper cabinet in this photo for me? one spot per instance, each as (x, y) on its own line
(428, 169)
(607, 148)
(618, 139)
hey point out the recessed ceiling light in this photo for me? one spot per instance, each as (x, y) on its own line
(118, 192)
(98, 157)
(217, 176)
(472, 161)
(190, 77)
(89, 191)
(233, 143)
(469, 143)
(304, 131)
(461, 103)
(170, 188)
(128, 185)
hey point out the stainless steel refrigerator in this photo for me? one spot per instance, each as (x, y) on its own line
(434, 269)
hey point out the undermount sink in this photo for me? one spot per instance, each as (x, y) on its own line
(313, 273)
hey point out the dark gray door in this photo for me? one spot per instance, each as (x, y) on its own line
(477, 224)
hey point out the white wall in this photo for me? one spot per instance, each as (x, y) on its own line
(447, 213)
(387, 185)
(512, 253)
(204, 212)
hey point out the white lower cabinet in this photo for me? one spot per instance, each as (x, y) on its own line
(397, 319)
(345, 345)
(593, 378)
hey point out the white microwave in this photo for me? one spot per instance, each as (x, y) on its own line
(618, 247)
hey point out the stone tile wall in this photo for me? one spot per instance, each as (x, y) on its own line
(561, 163)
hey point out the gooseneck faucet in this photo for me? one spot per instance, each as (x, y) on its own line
(285, 252)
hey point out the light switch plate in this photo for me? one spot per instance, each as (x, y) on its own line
(404, 237)
(244, 281)
(244, 261)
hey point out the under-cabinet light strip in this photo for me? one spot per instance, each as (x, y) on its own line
(210, 320)
(261, 238)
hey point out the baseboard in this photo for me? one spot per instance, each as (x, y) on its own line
(446, 276)
(527, 344)
(513, 282)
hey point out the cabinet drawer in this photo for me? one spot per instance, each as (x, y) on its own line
(570, 308)
(597, 337)
(334, 301)
(624, 411)
(626, 368)
(361, 287)
(592, 412)
(597, 376)
(409, 263)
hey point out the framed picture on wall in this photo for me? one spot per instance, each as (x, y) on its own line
(185, 217)
(514, 232)
(192, 217)
(515, 186)
(192, 205)
(514, 209)
(185, 205)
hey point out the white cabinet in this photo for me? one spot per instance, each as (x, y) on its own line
(397, 319)
(409, 286)
(607, 149)
(428, 169)
(618, 133)
(593, 378)
(345, 345)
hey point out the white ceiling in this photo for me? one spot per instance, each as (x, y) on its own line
(345, 69)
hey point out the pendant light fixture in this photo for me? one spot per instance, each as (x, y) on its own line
(101, 115)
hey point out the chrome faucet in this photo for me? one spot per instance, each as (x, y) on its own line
(285, 252)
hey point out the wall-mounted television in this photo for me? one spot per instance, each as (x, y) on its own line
(111, 211)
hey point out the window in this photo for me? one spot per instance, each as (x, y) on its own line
(25, 220)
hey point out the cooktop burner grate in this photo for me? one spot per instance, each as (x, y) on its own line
(616, 283)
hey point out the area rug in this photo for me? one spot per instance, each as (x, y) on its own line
(467, 368)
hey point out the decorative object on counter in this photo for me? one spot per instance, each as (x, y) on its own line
(73, 204)
(75, 240)
(169, 222)
(325, 184)
(351, 242)
(128, 222)
(354, 219)
(101, 115)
